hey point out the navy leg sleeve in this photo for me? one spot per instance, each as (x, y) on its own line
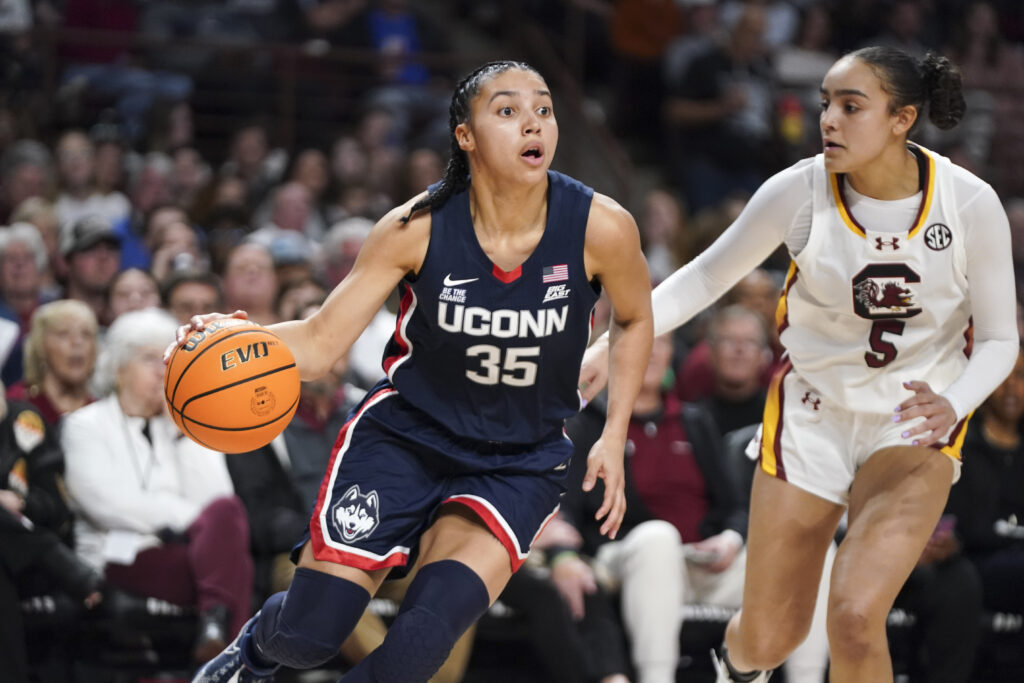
(304, 627)
(443, 601)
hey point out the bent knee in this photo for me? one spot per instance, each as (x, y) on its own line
(653, 537)
(855, 628)
(768, 643)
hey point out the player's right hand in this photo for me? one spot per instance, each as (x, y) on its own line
(198, 322)
(594, 371)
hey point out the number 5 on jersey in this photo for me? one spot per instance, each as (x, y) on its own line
(515, 369)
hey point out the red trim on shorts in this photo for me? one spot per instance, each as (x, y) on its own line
(507, 276)
(328, 554)
(494, 525)
(403, 310)
(321, 550)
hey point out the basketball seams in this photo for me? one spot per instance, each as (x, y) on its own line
(214, 343)
(286, 413)
(236, 383)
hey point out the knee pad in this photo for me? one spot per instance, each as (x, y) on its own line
(304, 627)
(442, 602)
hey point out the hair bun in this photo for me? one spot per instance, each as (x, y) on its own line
(944, 91)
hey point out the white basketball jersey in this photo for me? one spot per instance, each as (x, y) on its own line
(865, 310)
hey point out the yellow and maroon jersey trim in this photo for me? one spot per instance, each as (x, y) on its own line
(837, 180)
(771, 426)
(782, 308)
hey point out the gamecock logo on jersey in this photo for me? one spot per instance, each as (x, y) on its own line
(884, 290)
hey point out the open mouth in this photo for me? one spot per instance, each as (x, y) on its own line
(833, 145)
(534, 153)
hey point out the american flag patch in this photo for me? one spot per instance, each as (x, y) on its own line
(555, 273)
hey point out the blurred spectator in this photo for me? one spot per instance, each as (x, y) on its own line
(174, 245)
(342, 244)
(423, 167)
(40, 213)
(190, 175)
(781, 19)
(191, 292)
(310, 169)
(23, 269)
(155, 511)
(740, 358)
(681, 540)
(903, 28)
(60, 356)
(253, 161)
(250, 282)
(289, 209)
(944, 594)
(35, 530)
(26, 170)
(140, 237)
(701, 31)
(92, 251)
(573, 626)
(756, 292)
(109, 169)
(133, 289)
(989, 63)
(171, 127)
(804, 62)
(77, 193)
(720, 116)
(297, 296)
(988, 501)
(663, 231)
(107, 69)
(341, 247)
(408, 88)
(640, 31)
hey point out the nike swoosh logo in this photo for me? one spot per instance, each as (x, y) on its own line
(449, 282)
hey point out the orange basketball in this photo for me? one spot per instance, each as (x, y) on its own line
(232, 386)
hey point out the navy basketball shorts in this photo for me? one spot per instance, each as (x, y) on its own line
(392, 468)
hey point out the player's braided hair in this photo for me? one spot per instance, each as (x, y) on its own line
(456, 173)
(933, 83)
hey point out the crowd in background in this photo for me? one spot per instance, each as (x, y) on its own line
(131, 200)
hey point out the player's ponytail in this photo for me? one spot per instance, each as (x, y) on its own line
(456, 173)
(944, 89)
(933, 83)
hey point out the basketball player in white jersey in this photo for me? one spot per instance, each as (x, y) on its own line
(898, 320)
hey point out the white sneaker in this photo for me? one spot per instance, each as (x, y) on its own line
(722, 671)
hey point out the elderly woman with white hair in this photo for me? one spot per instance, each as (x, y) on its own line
(23, 275)
(156, 511)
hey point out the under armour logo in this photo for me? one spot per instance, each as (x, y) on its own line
(881, 244)
(814, 402)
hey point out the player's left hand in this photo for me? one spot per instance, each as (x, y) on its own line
(606, 461)
(939, 416)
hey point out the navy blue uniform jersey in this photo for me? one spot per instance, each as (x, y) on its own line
(495, 355)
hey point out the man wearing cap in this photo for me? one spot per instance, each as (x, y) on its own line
(92, 252)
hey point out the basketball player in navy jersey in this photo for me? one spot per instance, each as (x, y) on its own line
(898, 320)
(458, 454)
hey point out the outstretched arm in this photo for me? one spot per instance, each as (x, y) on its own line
(614, 257)
(782, 202)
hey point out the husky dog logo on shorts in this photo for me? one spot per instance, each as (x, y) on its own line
(356, 515)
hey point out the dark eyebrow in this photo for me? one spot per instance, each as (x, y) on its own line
(840, 93)
(513, 93)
